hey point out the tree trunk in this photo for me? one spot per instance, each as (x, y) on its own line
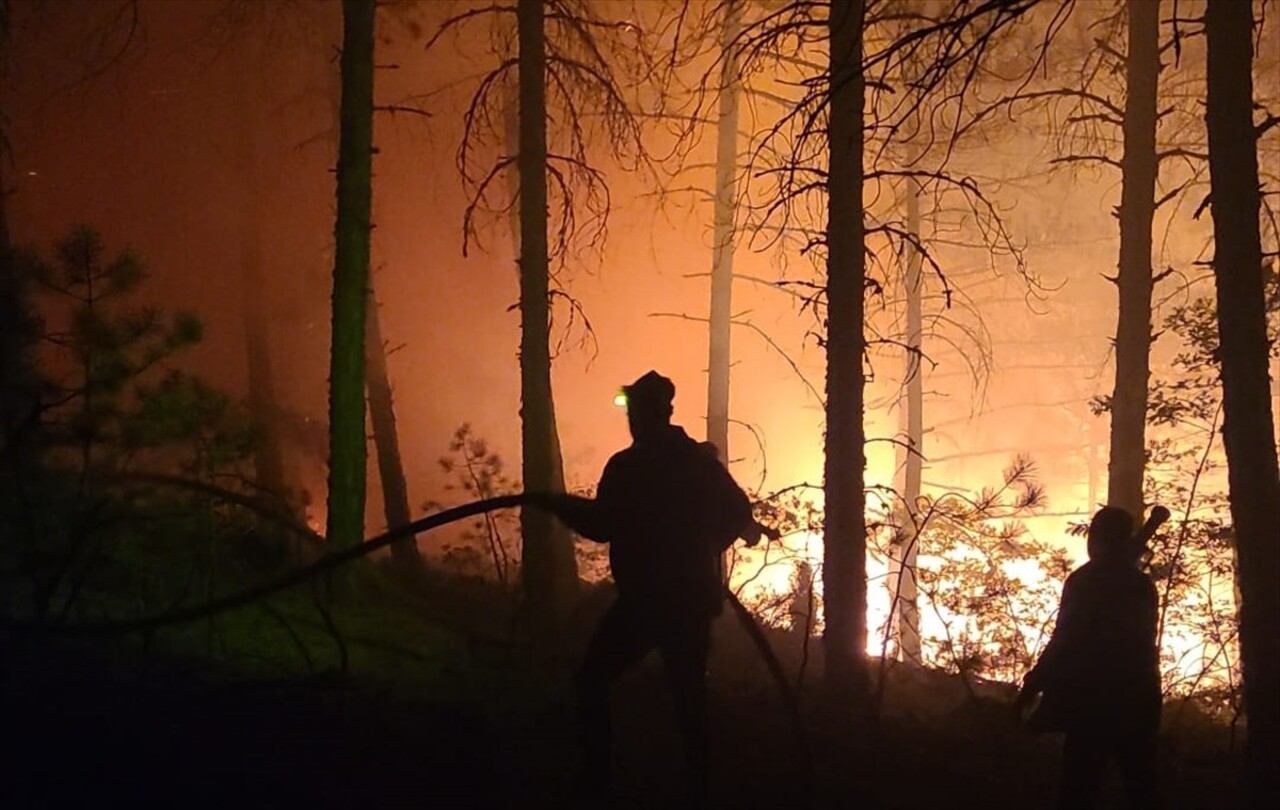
(844, 523)
(1092, 461)
(20, 396)
(903, 580)
(1127, 460)
(268, 458)
(347, 450)
(1248, 432)
(718, 354)
(19, 390)
(386, 440)
(548, 568)
(13, 350)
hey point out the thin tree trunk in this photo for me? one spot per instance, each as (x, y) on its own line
(268, 461)
(561, 536)
(1248, 432)
(1092, 460)
(382, 421)
(347, 451)
(1275, 393)
(719, 339)
(386, 439)
(548, 568)
(1127, 460)
(844, 523)
(906, 607)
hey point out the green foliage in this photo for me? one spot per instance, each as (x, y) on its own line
(181, 410)
(490, 545)
(476, 470)
(102, 348)
(81, 538)
(1191, 393)
(987, 583)
(1193, 560)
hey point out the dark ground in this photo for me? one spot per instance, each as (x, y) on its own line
(434, 717)
(78, 733)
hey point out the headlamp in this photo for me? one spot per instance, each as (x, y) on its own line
(620, 399)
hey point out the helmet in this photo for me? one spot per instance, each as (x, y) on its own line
(651, 392)
(1111, 535)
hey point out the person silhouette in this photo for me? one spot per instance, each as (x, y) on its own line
(1098, 678)
(668, 509)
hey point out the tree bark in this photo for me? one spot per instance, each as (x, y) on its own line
(905, 597)
(1127, 460)
(719, 338)
(844, 523)
(548, 568)
(386, 439)
(1248, 431)
(19, 389)
(347, 450)
(13, 350)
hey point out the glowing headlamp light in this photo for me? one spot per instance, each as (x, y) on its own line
(620, 399)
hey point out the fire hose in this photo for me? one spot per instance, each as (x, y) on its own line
(334, 560)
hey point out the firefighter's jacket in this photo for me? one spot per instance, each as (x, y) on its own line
(668, 509)
(1102, 663)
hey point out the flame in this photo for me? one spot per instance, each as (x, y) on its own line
(765, 579)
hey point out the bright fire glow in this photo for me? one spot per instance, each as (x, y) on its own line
(766, 579)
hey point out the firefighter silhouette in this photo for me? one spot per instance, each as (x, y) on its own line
(668, 509)
(1098, 678)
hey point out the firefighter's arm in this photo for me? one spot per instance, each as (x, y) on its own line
(582, 515)
(753, 531)
(1062, 644)
(585, 516)
(731, 508)
(588, 517)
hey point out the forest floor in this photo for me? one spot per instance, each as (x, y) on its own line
(425, 716)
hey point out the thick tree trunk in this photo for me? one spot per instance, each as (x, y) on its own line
(1127, 460)
(19, 332)
(718, 353)
(844, 527)
(13, 350)
(19, 391)
(1248, 431)
(903, 579)
(548, 568)
(347, 451)
(386, 439)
